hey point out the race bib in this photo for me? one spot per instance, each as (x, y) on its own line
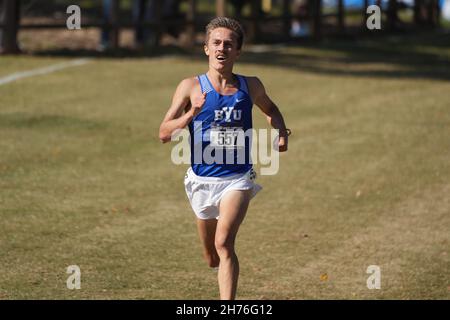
(227, 137)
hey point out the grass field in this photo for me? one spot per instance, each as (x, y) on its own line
(84, 180)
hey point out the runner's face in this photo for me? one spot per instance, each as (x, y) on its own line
(222, 49)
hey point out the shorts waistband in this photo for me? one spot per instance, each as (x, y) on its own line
(191, 173)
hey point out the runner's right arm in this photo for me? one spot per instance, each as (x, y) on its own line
(187, 98)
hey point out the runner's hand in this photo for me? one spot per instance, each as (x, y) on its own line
(197, 103)
(282, 144)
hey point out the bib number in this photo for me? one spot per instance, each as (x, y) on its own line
(227, 138)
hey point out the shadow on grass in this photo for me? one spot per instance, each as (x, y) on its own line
(419, 56)
(116, 53)
(415, 57)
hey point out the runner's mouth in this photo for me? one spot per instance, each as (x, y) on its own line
(221, 58)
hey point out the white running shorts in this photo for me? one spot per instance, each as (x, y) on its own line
(205, 193)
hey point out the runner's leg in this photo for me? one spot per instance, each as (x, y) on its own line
(207, 233)
(233, 207)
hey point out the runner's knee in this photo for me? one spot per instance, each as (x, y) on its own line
(224, 246)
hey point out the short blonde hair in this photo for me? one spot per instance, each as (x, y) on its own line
(224, 22)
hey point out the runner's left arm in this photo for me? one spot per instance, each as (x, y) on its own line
(270, 109)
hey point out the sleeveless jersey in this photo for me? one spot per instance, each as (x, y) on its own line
(220, 134)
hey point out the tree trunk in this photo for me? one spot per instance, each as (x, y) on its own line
(315, 8)
(191, 13)
(392, 15)
(286, 18)
(9, 17)
(221, 8)
(419, 12)
(114, 20)
(433, 13)
(254, 31)
(340, 16)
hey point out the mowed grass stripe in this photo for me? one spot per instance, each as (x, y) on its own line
(41, 71)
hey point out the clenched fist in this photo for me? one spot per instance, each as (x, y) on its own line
(282, 144)
(197, 102)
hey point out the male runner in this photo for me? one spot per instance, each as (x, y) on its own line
(217, 108)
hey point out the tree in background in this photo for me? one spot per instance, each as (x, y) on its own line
(9, 18)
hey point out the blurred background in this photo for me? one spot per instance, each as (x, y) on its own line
(31, 25)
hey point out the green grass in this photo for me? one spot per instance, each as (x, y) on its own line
(84, 180)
